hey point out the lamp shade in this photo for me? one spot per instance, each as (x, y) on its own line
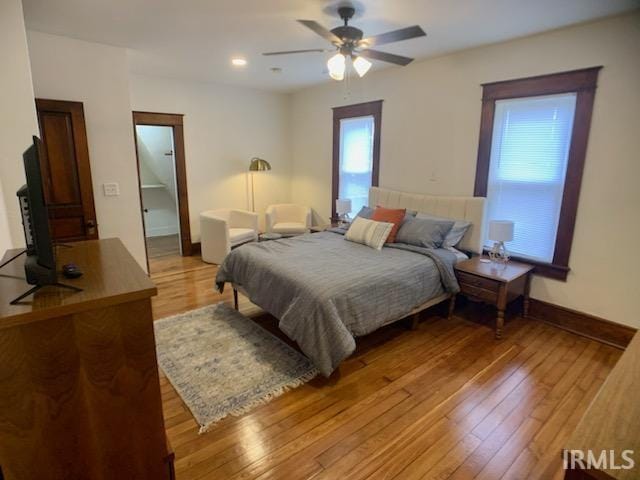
(337, 66)
(343, 205)
(259, 165)
(361, 65)
(501, 230)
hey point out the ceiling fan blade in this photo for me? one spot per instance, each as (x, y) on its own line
(394, 36)
(386, 57)
(287, 52)
(320, 30)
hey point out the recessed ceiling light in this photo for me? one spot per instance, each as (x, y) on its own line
(238, 62)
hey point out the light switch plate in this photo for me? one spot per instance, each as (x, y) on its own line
(111, 189)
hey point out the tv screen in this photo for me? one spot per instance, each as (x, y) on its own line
(40, 266)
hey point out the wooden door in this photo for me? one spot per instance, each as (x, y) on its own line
(66, 171)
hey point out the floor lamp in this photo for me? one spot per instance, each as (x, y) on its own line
(257, 165)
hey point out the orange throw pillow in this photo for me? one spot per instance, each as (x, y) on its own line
(390, 215)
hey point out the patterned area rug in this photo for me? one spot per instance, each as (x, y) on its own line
(222, 363)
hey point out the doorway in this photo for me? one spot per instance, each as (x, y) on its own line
(159, 142)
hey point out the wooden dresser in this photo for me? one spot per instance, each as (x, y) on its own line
(611, 425)
(79, 389)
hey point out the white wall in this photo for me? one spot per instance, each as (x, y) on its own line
(18, 121)
(161, 217)
(154, 142)
(430, 126)
(224, 127)
(5, 234)
(95, 74)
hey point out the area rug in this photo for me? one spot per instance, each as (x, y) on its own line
(222, 363)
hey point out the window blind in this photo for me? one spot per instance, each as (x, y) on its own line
(356, 160)
(529, 153)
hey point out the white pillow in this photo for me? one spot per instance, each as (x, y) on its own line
(368, 232)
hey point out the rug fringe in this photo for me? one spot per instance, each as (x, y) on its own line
(266, 398)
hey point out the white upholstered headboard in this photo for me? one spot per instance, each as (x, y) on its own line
(471, 209)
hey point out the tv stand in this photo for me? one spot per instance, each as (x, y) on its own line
(7, 262)
(15, 301)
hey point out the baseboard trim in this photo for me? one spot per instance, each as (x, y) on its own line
(195, 248)
(595, 328)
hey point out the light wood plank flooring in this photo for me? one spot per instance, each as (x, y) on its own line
(444, 401)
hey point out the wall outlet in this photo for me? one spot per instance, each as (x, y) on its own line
(111, 189)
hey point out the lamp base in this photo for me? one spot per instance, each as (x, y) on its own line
(499, 253)
(344, 221)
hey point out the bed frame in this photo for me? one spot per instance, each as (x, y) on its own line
(471, 209)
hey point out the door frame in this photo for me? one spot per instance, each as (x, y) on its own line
(81, 152)
(175, 121)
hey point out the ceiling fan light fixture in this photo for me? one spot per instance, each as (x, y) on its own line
(337, 66)
(361, 65)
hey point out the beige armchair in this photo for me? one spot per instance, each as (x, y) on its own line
(223, 229)
(288, 219)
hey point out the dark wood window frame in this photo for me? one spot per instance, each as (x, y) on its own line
(374, 109)
(174, 120)
(583, 82)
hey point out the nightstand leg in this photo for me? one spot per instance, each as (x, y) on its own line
(452, 306)
(499, 323)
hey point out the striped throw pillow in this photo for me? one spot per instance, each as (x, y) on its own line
(368, 232)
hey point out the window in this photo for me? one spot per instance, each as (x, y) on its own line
(533, 139)
(529, 152)
(356, 152)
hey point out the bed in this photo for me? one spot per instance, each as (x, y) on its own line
(326, 291)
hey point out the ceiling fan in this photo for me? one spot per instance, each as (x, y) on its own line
(349, 43)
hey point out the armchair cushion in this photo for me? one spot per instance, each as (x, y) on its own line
(241, 235)
(289, 228)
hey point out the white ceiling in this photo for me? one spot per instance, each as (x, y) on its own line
(196, 39)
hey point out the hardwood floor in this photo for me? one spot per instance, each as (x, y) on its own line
(444, 401)
(165, 245)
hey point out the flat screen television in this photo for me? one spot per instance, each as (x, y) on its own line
(40, 265)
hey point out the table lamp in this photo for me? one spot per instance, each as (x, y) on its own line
(343, 208)
(500, 231)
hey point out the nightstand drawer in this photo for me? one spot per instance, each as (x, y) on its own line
(478, 282)
(479, 293)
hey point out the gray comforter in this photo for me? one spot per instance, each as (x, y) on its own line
(326, 290)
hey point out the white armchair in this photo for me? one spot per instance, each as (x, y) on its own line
(223, 229)
(288, 219)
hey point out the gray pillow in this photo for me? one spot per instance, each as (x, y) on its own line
(424, 232)
(456, 233)
(367, 212)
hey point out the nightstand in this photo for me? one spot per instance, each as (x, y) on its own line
(496, 284)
